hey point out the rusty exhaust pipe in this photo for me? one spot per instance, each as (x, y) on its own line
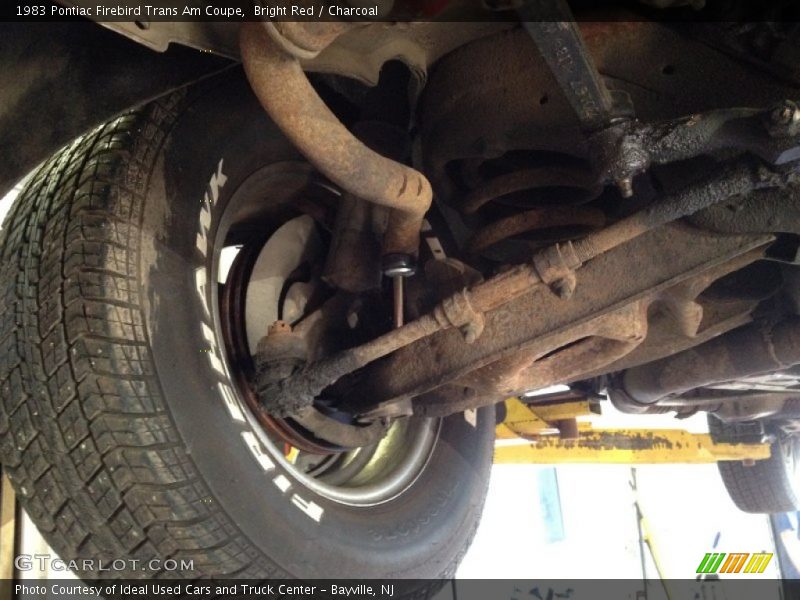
(748, 351)
(285, 92)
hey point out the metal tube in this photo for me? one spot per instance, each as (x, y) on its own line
(726, 182)
(397, 285)
(744, 352)
(342, 434)
(286, 94)
(457, 310)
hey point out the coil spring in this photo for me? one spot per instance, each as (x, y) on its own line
(569, 217)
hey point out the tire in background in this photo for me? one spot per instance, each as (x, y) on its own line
(767, 486)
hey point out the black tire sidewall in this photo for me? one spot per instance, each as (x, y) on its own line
(421, 533)
(768, 486)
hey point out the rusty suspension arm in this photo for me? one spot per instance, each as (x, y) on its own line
(285, 92)
(553, 266)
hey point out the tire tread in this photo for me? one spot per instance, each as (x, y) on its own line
(87, 438)
(85, 433)
(762, 487)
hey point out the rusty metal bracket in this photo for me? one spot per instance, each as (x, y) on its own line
(556, 267)
(729, 179)
(457, 311)
(538, 319)
(561, 44)
(556, 359)
(555, 32)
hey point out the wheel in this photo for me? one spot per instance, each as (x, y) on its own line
(766, 486)
(128, 427)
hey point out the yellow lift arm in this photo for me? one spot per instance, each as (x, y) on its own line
(554, 436)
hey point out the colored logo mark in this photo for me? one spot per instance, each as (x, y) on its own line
(735, 562)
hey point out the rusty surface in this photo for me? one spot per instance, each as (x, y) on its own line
(667, 335)
(657, 260)
(353, 261)
(699, 77)
(464, 130)
(286, 94)
(764, 210)
(560, 358)
(561, 44)
(664, 337)
(601, 343)
(536, 177)
(232, 310)
(725, 181)
(567, 217)
(556, 261)
(464, 133)
(756, 349)
(464, 312)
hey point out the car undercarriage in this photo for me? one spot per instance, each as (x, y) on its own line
(573, 261)
(465, 211)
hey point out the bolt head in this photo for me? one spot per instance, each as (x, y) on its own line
(279, 327)
(564, 287)
(786, 113)
(625, 186)
(470, 335)
(398, 265)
